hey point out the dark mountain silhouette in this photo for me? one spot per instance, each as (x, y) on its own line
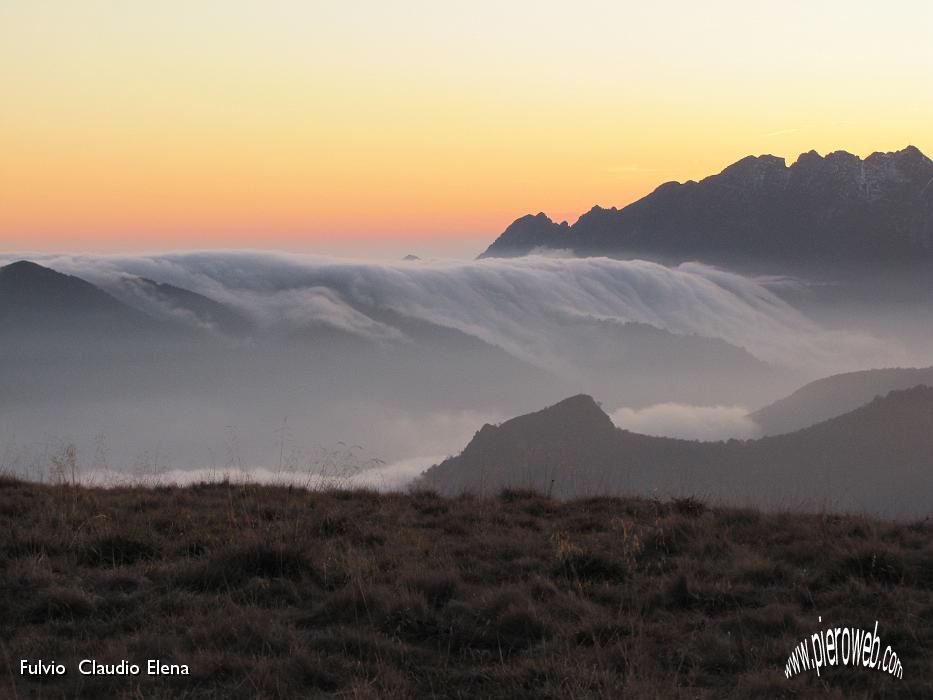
(877, 458)
(34, 298)
(61, 336)
(832, 396)
(820, 210)
(37, 299)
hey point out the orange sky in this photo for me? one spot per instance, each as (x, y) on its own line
(315, 126)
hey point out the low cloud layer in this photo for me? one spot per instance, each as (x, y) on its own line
(539, 309)
(688, 422)
(364, 444)
(395, 476)
(412, 393)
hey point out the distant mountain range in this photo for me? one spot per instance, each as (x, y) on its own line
(837, 209)
(62, 336)
(877, 459)
(42, 310)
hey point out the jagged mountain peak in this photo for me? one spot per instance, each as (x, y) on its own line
(581, 408)
(580, 413)
(756, 164)
(837, 209)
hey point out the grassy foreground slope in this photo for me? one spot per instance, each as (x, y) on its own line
(274, 592)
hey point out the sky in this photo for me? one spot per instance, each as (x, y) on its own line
(419, 127)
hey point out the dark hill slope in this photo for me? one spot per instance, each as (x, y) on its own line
(34, 298)
(835, 395)
(876, 459)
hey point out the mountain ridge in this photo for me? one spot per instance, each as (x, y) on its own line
(835, 395)
(876, 458)
(831, 209)
(35, 297)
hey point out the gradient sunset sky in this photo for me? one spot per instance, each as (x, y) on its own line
(421, 127)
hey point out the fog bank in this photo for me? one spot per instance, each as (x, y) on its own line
(688, 422)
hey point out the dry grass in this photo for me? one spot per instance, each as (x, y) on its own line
(274, 592)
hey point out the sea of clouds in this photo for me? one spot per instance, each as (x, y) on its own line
(544, 310)
(523, 305)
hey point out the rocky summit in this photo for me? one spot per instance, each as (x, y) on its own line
(820, 210)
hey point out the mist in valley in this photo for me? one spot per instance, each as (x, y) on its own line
(276, 366)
